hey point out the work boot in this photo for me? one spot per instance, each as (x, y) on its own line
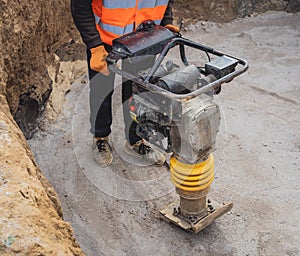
(102, 152)
(144, 151)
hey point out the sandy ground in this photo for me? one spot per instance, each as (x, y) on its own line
(114, 211)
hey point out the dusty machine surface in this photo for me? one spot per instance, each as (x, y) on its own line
(173, 106)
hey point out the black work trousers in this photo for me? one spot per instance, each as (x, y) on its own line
(101, 91)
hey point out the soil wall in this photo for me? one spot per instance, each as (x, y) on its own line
(31, 216)
(33, 34)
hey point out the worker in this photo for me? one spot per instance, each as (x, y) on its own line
(99, 22)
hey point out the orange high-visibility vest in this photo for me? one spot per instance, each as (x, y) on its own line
(115, 18)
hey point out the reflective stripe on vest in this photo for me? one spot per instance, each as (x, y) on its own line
(152, 3)
(97, 19)
(116, 29)
(112, 4)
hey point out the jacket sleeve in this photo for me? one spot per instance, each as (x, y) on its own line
(168, 17)
(85, 22)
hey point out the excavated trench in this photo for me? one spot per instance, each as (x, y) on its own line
(117, 214)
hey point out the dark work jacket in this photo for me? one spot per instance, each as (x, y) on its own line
(85, 22)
